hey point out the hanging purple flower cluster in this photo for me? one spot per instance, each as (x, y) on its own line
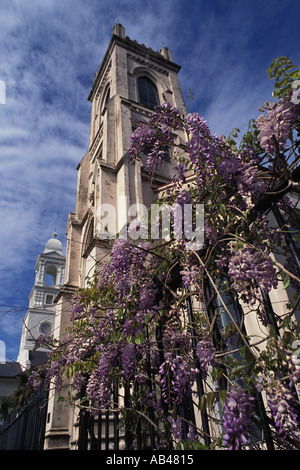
(181, 170)
(249, 270)
(190, 275)
(127, 262)
(176, 427)
(177, 378)
(34, 381)
(128, 359)
(285, 409)
(238, 409)
(280, 386)
(275, 125)
(99, 383)
(206, 354)
(155, 136)
(281, 391)
(143, 136)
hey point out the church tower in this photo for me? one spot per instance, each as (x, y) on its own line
(130, 82)
(49, 278)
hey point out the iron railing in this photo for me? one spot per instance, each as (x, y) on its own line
(25, 429)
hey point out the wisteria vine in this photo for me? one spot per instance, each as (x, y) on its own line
(131, 324)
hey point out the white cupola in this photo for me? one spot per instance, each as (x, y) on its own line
(49, 278)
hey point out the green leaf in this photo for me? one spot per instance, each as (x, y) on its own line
(286, 282)
(138, 339)
(216, 373)
(238, 369)
(207, 401)
(210, 398)
(222, 396)
(222, 209)
(202, 403)
(147, 318)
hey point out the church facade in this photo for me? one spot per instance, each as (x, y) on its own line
(131, 80)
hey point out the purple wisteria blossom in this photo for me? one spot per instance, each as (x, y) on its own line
(34, 381)
(249, 270)
(181, 170)
(99, 383)
(284, 406)
(238, 409)
(275, 125)
(206, 354)
(128, 358)
(177, 378)
(176, 427)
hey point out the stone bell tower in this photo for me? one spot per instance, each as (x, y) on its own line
(130, 82)
(50, 273)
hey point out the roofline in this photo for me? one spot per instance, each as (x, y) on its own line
(134, 46)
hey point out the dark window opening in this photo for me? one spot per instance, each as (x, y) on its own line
(49, 299)
(107, 97)
(105, 101)
(147, 92)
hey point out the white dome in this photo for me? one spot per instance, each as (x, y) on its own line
(53, 244)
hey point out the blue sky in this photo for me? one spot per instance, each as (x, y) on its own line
(50, 51)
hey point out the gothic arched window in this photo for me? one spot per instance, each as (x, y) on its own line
(148, 95)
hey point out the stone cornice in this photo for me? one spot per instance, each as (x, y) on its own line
(148, 64)
(162, 63)
(66, 289)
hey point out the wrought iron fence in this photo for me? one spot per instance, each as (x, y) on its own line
(25, 429)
